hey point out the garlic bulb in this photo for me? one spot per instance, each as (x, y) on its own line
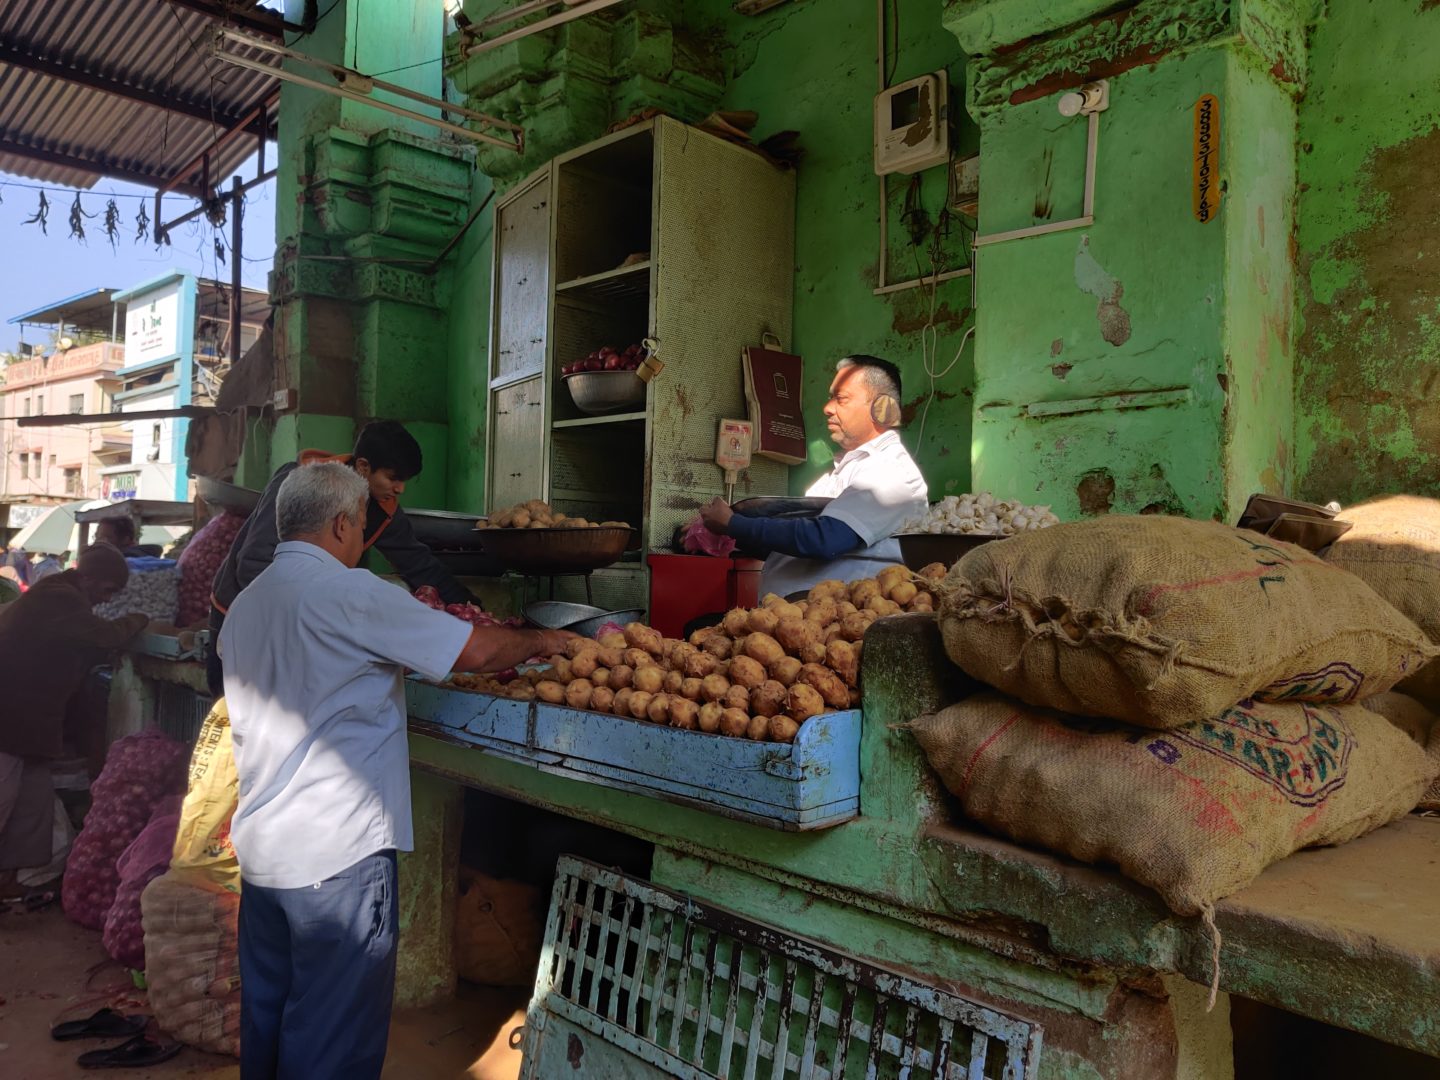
(982, 514)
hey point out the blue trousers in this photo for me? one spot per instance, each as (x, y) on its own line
(317, 975)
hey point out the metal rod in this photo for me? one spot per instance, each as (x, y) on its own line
(1034, 230)
(237, 237)
(915, 283)
(199, 210)
(223, 140)
(1092, 140)
(350, 95)
(568, 15)
(184, 412)
(882, 273)
(502, 17)
(474, 214)
(344, 74)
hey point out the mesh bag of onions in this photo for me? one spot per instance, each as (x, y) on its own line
(142, 862)
(199, 562)
(140, 771)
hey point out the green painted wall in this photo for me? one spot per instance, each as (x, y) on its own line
(1368, 417)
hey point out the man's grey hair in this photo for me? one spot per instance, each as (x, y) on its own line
(315, 495)
(881, 376)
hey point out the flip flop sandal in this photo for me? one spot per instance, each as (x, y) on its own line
(105, 1024)
(136, 1053)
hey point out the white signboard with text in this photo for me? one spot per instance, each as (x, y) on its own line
(152, 324)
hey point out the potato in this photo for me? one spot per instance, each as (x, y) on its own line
(845, 607)
(673, 681)
(682, 651)
(882, 607)
(861, 592)
(600, 676)
(659, 710)
(709, 718)
(560, 669)
(759, 728)
(804, 702)
(622, 676)
(935, 571)
(763, 647)
(843, 658)
(853, 627)
(923, 602)
(813, 653)
(584, 665)
(649, 679)
(734, 722)
(714, 687)
(828, 590)
(737, 697)
(832, 688)
(667, 646)
(890, 577)
(699, 637)
(640, 636)
(768, 698)
(794, 634)
(520, 519)
(736, 621)
(783, 729)
(575, 646)
(746, 672)
(762, 621)
(551, 692)
(719, 646)
(701, 664)
(833, 632)
(904, 593)
(769, 600)
(577, 694)
(822, 612)
(640, 705)
(612, 640)
(612, 657)
(785, 670)
(788, 611)
(535, 675)
(602, 699)
(621, 704)
(684, 714)
(690, 688)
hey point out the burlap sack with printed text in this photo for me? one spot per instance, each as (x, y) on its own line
(1195, 813)
(1394, 547)
(1164, 621)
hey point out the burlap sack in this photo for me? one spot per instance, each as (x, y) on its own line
(192, 963)
(1431, 799)
(1412, 717)
(1195, 813)
(1165, 621)
(499, 925)
(1394, 547)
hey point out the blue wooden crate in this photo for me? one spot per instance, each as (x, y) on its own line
(811, 783)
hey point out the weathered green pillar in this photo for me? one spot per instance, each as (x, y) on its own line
(366, 201)
(1141, 362)
(425, 967)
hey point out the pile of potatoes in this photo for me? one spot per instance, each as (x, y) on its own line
(759, 675)
(537, 514)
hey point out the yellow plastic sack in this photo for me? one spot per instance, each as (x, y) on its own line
(204, 855)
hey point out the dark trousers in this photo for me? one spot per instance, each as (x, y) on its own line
(214, 673)
(317, 975)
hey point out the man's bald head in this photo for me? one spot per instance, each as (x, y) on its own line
(103, 572)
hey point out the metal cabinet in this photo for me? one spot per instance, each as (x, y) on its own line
(659, 231)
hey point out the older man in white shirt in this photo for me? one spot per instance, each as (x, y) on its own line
(315, 653)
(874, 487)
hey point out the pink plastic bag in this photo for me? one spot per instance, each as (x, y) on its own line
(698, 540)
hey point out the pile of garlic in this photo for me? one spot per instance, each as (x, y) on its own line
(983, 514)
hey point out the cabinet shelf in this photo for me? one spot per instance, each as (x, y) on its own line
(592, 421)
(623, 281)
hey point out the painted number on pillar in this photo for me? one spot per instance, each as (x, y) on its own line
(1206, 188)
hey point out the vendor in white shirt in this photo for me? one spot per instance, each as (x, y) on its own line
(874, 487)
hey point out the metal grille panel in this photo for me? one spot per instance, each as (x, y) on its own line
(698, 992)
(179, 711)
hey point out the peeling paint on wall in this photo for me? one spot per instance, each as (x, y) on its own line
(1091, 277)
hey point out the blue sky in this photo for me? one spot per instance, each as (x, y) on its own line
(38, 269)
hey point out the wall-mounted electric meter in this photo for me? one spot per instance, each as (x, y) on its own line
(912, 125)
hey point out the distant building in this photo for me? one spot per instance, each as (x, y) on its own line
(158, 346)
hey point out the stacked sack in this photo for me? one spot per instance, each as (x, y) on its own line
(153, 590)
(199, 562)
(140, 771)
(1178, 698)
(190, 913)
(142, 862)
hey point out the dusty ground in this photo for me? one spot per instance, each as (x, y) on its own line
(52, 970)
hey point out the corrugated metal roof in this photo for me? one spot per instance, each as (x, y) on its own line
(78, 130)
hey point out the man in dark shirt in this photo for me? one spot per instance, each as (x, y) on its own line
(49, 639)
(388, 457)
(120, 533)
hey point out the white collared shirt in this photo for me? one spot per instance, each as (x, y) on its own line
(874, 489)
(314, 657)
